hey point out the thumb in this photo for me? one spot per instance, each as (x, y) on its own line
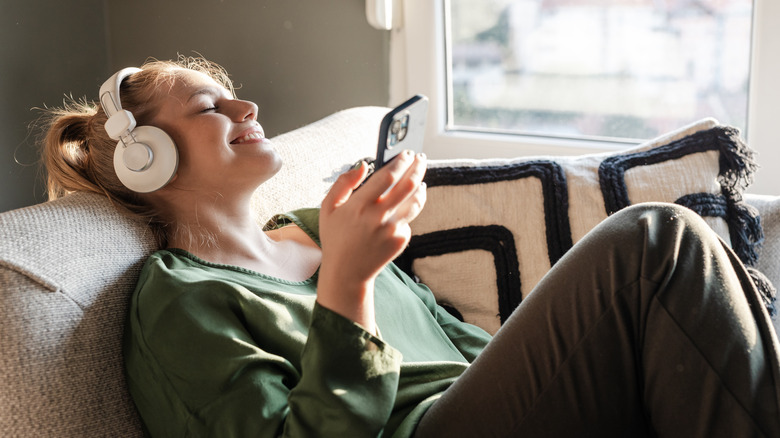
(346, 183)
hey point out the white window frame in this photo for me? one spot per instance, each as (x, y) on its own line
(417, 51)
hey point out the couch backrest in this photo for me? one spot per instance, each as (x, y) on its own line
(314, 156)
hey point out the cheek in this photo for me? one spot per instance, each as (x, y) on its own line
(199, 149)
(191, 160)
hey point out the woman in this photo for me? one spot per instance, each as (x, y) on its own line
(648, 326)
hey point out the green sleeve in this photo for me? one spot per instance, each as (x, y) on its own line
(469, 339)
(350, 384)
(206, 368)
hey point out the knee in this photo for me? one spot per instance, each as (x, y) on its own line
(664, 240)
(661, 224)
(660, 209)
(661, 215)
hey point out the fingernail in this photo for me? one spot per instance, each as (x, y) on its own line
(357, 165)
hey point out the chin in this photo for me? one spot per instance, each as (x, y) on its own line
(270, 168)
(276, 164)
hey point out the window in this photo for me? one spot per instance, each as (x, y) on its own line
(605, 69)
(528, 77)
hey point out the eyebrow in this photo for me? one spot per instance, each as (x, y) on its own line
(213, 91)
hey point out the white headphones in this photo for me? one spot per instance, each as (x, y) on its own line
(145, 158)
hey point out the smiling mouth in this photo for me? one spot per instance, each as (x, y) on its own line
(252, 136)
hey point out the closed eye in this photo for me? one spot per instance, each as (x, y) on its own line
(212, 108)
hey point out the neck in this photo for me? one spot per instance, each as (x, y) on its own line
(224, 230)
(210, 223)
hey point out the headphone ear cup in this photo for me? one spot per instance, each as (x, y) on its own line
(164, 161)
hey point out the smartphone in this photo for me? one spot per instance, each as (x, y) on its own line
(401, 129)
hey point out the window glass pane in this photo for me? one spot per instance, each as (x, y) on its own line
(629, 69)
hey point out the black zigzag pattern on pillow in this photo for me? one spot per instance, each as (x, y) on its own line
(705, 204)
(554, 192)
(736, 172)
(496, 239)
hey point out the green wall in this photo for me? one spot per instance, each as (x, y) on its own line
(47, 49)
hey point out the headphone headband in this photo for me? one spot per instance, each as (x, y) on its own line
(109, 91)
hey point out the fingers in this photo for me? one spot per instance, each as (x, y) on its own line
(387, 176)
(394, 193)
(344, 185)
(408, 184)
(412, 206)
(403, 201)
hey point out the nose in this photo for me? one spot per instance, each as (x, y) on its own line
(245, 110)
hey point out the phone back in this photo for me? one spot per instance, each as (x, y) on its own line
(402, 128)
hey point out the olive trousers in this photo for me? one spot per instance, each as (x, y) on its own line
(649, 326)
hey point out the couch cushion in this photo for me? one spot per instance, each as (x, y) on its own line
(492, 228)
(67, 268)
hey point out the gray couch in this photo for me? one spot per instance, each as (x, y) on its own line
(67, 268)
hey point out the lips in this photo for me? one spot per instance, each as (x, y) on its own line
(251, 135)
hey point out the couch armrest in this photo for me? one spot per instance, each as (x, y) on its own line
(769, 252)
(67, 268)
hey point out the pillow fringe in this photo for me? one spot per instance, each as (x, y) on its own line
(737, 167)
(745, 230)
(737, 161)
(766, 290)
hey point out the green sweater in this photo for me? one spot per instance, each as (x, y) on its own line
(216, 350)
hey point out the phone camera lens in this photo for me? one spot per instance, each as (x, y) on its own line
(398, 130)
(402, 133)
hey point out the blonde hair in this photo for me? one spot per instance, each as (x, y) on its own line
(78, 154)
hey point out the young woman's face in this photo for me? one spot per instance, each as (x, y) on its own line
(221, 145)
